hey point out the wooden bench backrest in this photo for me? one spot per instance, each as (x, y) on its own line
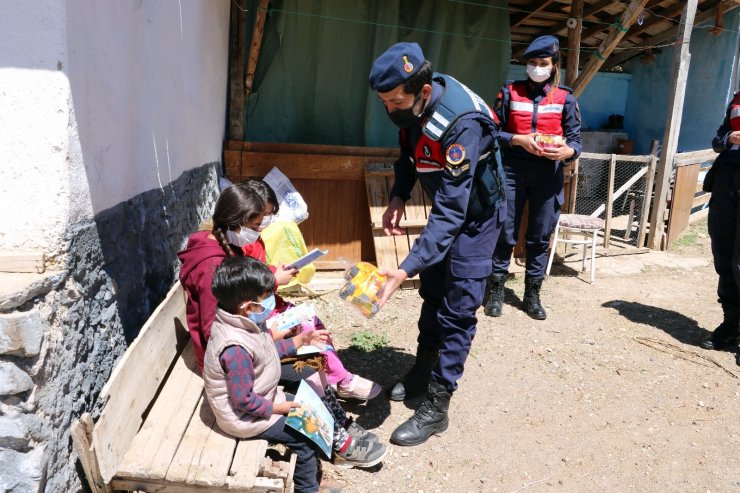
(136, 379)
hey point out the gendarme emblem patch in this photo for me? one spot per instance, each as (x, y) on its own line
(455, 154)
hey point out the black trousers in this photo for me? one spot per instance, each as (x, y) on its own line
(724, 231)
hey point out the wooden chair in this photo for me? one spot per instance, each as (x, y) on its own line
(156, 432)
(581, 225)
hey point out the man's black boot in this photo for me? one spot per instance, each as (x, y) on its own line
(415, 383)
(532, 305)
(495, 291)
(429, 419)
(727, 333)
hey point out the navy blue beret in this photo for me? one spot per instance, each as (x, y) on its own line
(395, 66)
(542, 47)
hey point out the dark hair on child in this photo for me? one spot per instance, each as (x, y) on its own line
(240, 279)
(265, 191)
(237, 205)
(416, 82)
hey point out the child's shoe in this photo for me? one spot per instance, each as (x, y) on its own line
(359, 433)
(360, 453)
(358, 388)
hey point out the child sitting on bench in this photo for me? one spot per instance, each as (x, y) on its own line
(242, 368)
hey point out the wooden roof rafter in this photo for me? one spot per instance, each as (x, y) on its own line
(529, 15)
(592, 10)
(664, 36)
(616, 33)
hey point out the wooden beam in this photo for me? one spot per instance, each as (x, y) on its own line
(607, 46)
(659, 17)
(601, 27)
(648, 198)
(237, 60)
(22, 262)
(574, 42)
(254, 49)
(609, 201)
(619, 59)
(591, 10)
(681, 60)
(528, 15)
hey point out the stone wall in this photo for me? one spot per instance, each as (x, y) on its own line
(61, 336)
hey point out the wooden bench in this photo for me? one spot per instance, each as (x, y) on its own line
(156, 432)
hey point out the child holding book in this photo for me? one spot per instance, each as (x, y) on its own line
(348, 385)
(242, 368)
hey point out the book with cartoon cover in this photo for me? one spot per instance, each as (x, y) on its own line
(312, 418)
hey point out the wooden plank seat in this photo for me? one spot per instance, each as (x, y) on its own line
(156, 432)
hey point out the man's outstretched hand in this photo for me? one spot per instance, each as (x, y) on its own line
(394, 279)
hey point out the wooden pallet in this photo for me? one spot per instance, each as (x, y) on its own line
(390, 251)
(156, 431)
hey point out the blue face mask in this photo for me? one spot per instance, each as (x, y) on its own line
(268, 306)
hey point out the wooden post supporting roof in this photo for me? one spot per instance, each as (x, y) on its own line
(571, 73)
(616, 33)
(681, 59)
(254, 50)
(574, 42)
(237, 59)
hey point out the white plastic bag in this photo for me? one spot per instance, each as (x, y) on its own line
(292, 206)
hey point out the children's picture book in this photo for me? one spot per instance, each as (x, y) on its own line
(309, 349)
(295, 315)
(312, 418)
(308, 258)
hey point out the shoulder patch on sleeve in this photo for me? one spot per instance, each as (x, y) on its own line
(455, 154)
(456, 163)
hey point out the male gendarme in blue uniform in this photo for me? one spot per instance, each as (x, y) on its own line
(447, 141)
(541, 129)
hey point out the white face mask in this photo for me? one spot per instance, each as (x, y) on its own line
(538, 74)
(245, 236)
(266, 221)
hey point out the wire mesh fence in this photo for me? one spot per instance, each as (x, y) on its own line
(615, 188)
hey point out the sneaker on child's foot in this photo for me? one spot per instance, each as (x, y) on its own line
(358, 388)
(360, 453)
(359, 433)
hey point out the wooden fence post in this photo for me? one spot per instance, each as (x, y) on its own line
(681, 60)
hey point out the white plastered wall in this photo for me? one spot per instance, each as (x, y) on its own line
(101, 101)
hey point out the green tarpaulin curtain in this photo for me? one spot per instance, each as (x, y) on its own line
(311, 79)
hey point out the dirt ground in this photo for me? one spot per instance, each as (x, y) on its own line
(610, 393)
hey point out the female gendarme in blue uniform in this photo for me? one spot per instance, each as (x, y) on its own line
(529, 109)
(723, 180)
(447, 139)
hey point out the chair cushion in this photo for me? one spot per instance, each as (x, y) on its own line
(580, 221)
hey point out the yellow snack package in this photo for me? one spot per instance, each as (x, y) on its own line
(363, 288)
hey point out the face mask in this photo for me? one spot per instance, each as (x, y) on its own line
(268, 305)
(266, 221)
(245, 236)
(405, 118)
(538, 74)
